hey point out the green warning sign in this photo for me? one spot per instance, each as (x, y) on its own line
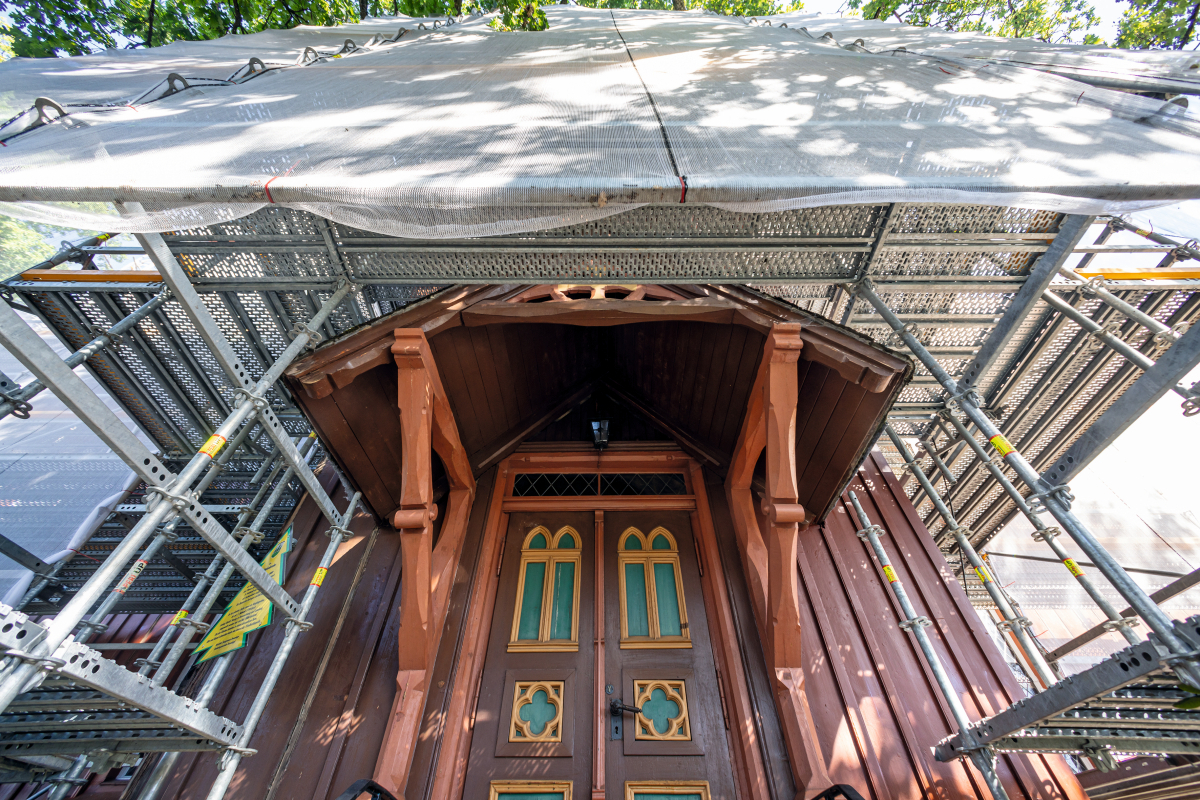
(249, 611)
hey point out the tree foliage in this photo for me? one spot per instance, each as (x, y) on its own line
(1047, 20)
(1169, 24)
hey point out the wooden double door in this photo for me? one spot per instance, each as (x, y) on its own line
(544, 725)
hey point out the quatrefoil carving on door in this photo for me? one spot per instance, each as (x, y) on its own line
(537, 712)
(664, 714)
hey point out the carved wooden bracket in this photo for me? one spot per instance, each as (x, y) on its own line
(426, 426)
(768, 534)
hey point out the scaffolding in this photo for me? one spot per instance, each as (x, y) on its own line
(1016, 355)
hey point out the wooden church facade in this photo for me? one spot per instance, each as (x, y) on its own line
(685, 611)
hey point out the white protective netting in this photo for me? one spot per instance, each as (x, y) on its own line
(463, 131)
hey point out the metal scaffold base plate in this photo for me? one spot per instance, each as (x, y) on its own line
(1124, 704)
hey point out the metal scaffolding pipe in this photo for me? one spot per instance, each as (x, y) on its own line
(1016, 623)
(153, 660)
(1183, 660)
(1131, 354)
(17, 403)
(96, 623)
(1096, 286)
(20, 340)
(233, 756)
(251, 535)
(980, 755)
(1047, 535)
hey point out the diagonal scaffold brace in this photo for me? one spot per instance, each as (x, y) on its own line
(981, 756)
(1184, 659)
(175, 498)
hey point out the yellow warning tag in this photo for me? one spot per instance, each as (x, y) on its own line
(179, 615)
(213, 446)
(1072, 567)
(1001, 444)
(1141, 232)
(319, 576)
(890, 573)
(983, 574)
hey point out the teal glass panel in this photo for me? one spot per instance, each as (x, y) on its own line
(546, 796)
(531, 602)
(567, 542)
(636, 613)
(564, 600)
(667, 595)
(539, 711)
(537, 543)
(633, 543)
(660, 543)
(660, 710)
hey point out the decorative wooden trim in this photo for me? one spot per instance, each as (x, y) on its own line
(598, 751)
(587, 459)
(749, 770)
(523, 693)
(596, 291)
(648, 558)
(501, 788)
(598, 313)
(552, 556)
(460, 715)
(773, 527)
(679, 729)
(676, 502)
(634, 788)
(339, 362)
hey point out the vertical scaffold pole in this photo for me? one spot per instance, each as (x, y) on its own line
(22, 669)
(1016, 623)
(1044, 533)
(981, 756)
(233, 756)
(1055, 499)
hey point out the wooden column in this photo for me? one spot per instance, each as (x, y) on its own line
(774, 526)
(426, 426)
(598, 756)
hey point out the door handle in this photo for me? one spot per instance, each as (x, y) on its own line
(616, 708)
(617, 711)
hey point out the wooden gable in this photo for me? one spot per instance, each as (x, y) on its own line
(514, 360)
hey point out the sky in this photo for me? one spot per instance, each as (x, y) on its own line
(1109, 11)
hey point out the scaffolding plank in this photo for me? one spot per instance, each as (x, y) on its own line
(88, 667)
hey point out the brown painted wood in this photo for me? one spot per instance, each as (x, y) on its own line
(707, 756)
(490, 756)
(677, 502)
(742, 734)
(599, 313)
(503, 445)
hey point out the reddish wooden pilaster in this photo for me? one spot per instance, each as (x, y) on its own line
(774, 527)
(426, 426)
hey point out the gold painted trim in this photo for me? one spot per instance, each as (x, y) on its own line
(551, 556)
(523, 692)
(680, 727)
(642, 643)
(634, 788)
(648, 558)
(498, 789)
